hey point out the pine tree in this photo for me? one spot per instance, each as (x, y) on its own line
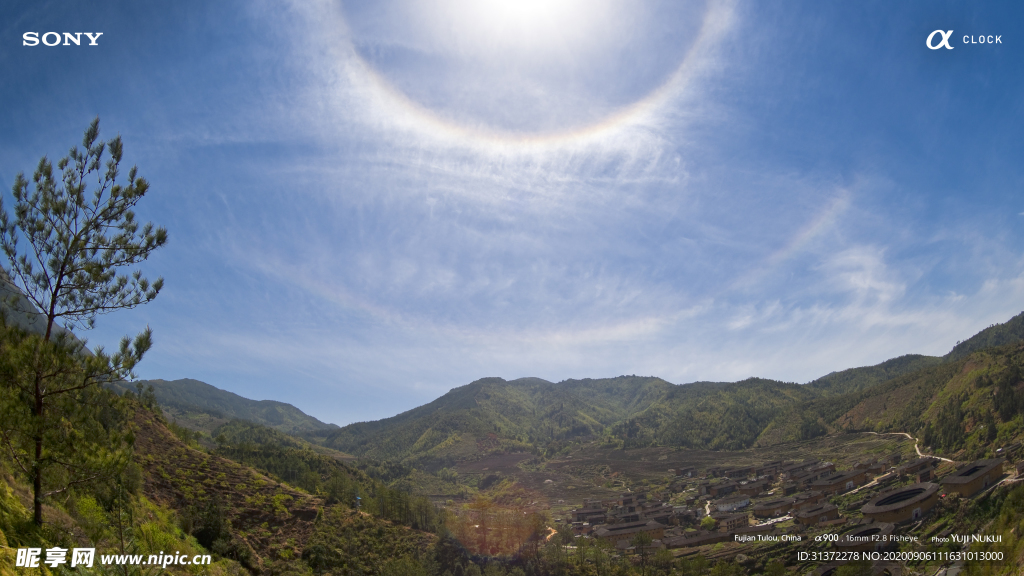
(641, 542)
(67, 242)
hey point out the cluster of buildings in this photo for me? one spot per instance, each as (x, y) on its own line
(623, 517)
(876, 531)
(746, 501)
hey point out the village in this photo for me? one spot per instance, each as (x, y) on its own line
(782, 502)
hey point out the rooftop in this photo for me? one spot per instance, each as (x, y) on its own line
(817, 510)
(973, 470)
(838, 477)
(900, 498)
(628, 527)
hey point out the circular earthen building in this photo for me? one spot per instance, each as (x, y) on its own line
(902, 504)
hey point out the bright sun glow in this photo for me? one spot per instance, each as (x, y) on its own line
(526, 69)
(519, 28)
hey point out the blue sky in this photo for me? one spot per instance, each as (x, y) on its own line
(372, 203)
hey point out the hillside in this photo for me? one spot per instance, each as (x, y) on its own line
(264, 524)
(531, 414)
(233, 505)
(1008, 332)
(273, 490)
(857, 379)
(962, 408)
(534, 415)
(494, 415)
(629, 411)
(225, 502)
(200, 406)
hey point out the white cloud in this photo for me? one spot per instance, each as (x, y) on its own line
(395, 250)
(862, 272)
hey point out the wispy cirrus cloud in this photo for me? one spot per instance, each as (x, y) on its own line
(370, 204)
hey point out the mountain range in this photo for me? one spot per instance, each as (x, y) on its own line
(962, 402)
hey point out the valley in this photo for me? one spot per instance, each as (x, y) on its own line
(493, 475)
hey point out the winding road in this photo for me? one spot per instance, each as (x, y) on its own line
(916, 444)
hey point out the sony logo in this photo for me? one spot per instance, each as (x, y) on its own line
(54, 38)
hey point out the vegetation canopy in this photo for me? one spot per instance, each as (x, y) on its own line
(66, 243)
(79, 238)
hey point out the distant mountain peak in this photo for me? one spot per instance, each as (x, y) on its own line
(1008, 332)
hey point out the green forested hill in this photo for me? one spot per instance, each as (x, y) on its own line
(720, 416)
(857, 379)
(201, 406)
(492, 413)
(630, 411)
(912, 393)
(903, 394)
(1008, 332)
(965, 406)
(227, 501)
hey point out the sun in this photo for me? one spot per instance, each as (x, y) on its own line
(533, 23)
(520, 29)
(517, 71)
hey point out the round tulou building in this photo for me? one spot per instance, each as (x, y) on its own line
(902, 504)
(874, 537)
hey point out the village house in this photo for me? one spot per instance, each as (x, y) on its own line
(878, 467)
(802, 478)
(632, 498)
(773, 508)
(841, 482)
(618, 515)
(683, 514)
(738, 473)
(582, 528)
(729, 522)
(658, 511)
(816, 514)
(722, 488)
(685, 472)
(626, 531)
(753, 488)
(974, 477)
(592, 512)
(732, 503)
(767, 468)
(816, 472)
(788, 470)
(914, 466)
(823, 468)
(809, 498)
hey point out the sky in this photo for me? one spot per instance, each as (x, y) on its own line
(371, 203)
